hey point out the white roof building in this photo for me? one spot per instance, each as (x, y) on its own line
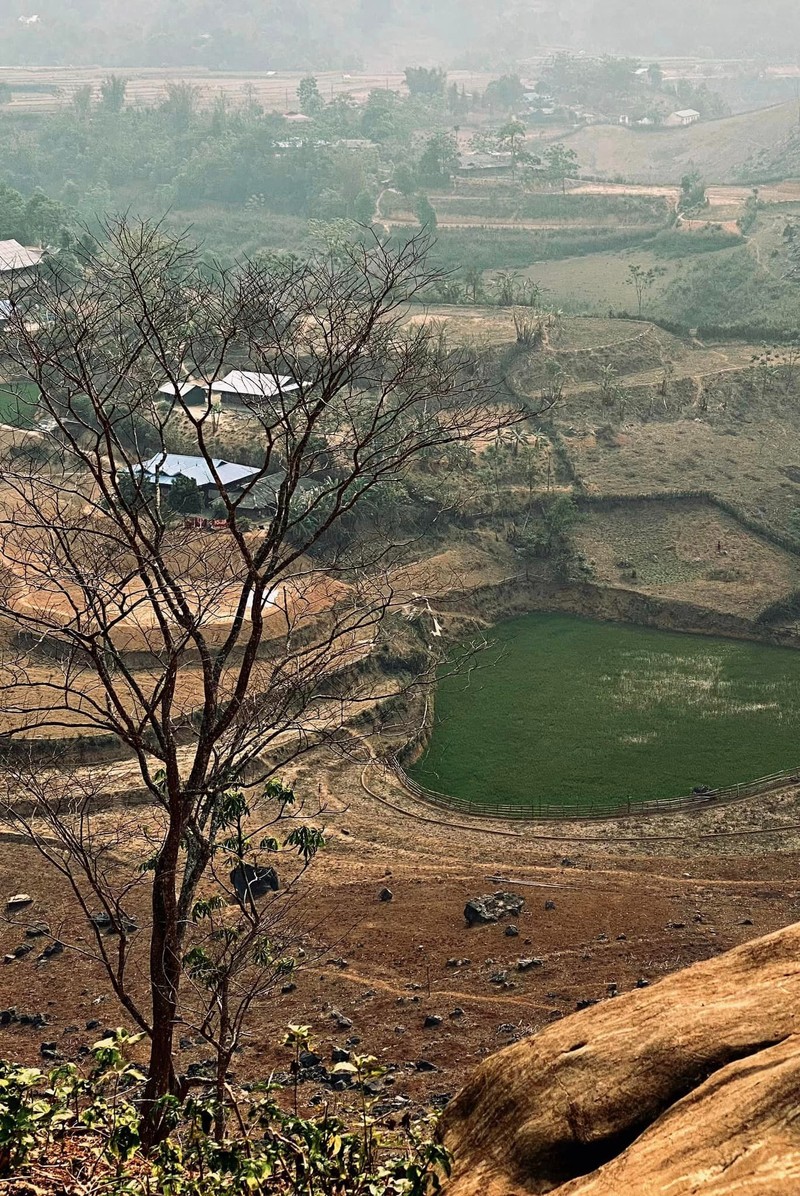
(164, 468)
(14, 256)
(686, 116)
(247, 384)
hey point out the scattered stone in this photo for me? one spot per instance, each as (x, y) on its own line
(431, 1021)
(19, 901)
(250, 882)
(612, 990)
(568, 863)
(385, 895)
(48, 1050)
(622, 938)
(602, 937)
(511, 932)
(492, 907)
(642, 983)
(22, 950)
(525, 965)
(440, 1100)
(353, 1040)
(70, 1030)
(340, 1055)
(201, 1070)
(499, 978)
(288, 988)
(37, 930)
(50, 951)
(7, 1016)
(549, 905)
(676, 925)
(93, 1024)
(585, 1003)
(425, 1065)
(37, 1020)
(746, 922)
(309, 1059)
(399, 1029)
(457, 1012)
(344, 1023)
(458, 963)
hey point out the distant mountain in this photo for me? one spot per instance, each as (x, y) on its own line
(257, 35)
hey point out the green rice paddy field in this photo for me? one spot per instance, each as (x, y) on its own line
(563, 709)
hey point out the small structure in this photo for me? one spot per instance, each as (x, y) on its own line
(686, 116)
(189, 392)
(261, 498)
(625, 119)
(246, 384)
(163, 468)
(16, 261)
(6, 311)
(488, 162)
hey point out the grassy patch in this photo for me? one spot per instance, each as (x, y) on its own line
(575, 711)
(18, 403)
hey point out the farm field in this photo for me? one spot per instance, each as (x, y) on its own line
(563, 709)
(44, 89)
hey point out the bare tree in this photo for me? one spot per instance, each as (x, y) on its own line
(209, 661)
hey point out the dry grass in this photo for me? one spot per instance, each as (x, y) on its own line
(692, 554)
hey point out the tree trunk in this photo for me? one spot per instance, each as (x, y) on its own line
(165, 976)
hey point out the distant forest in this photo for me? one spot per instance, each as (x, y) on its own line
(255, 35)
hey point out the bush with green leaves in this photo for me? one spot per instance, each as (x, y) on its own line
(92, 1123)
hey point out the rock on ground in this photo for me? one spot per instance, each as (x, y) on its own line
(689, 1086)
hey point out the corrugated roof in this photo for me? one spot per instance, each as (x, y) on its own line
(14, 256)
(184, 388)
(687, 112)
(168, 466)
(253, 385)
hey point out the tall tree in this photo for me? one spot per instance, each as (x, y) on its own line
(350, 396)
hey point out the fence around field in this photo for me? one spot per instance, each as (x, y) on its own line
(590, 810)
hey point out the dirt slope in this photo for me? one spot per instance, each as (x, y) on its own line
(686, 1087)
(719, 149)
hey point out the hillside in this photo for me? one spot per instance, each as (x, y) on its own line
(244, 35)
(688, 1087)
(722, 151)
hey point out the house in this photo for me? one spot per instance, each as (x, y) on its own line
(6, 312)
(484, 162)
(189, 392)
(261, 498)
(245, 384)
(163, 468)
(16, 261)
(625, 120)
(686, 116)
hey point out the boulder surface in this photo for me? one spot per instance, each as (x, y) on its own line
(689, 1086)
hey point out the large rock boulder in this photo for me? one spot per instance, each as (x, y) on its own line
(492, 907)
(690, 1086)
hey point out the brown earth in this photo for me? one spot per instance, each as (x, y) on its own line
(634, 899)
(687, 1087)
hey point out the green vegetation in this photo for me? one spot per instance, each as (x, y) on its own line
(89, 1124)
(18, 403)
(568, 710)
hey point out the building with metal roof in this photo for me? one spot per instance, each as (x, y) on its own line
(15, 257)
(163, 468)
(249, 385)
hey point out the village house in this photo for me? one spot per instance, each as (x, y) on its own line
(686, 116)
(18, 266)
